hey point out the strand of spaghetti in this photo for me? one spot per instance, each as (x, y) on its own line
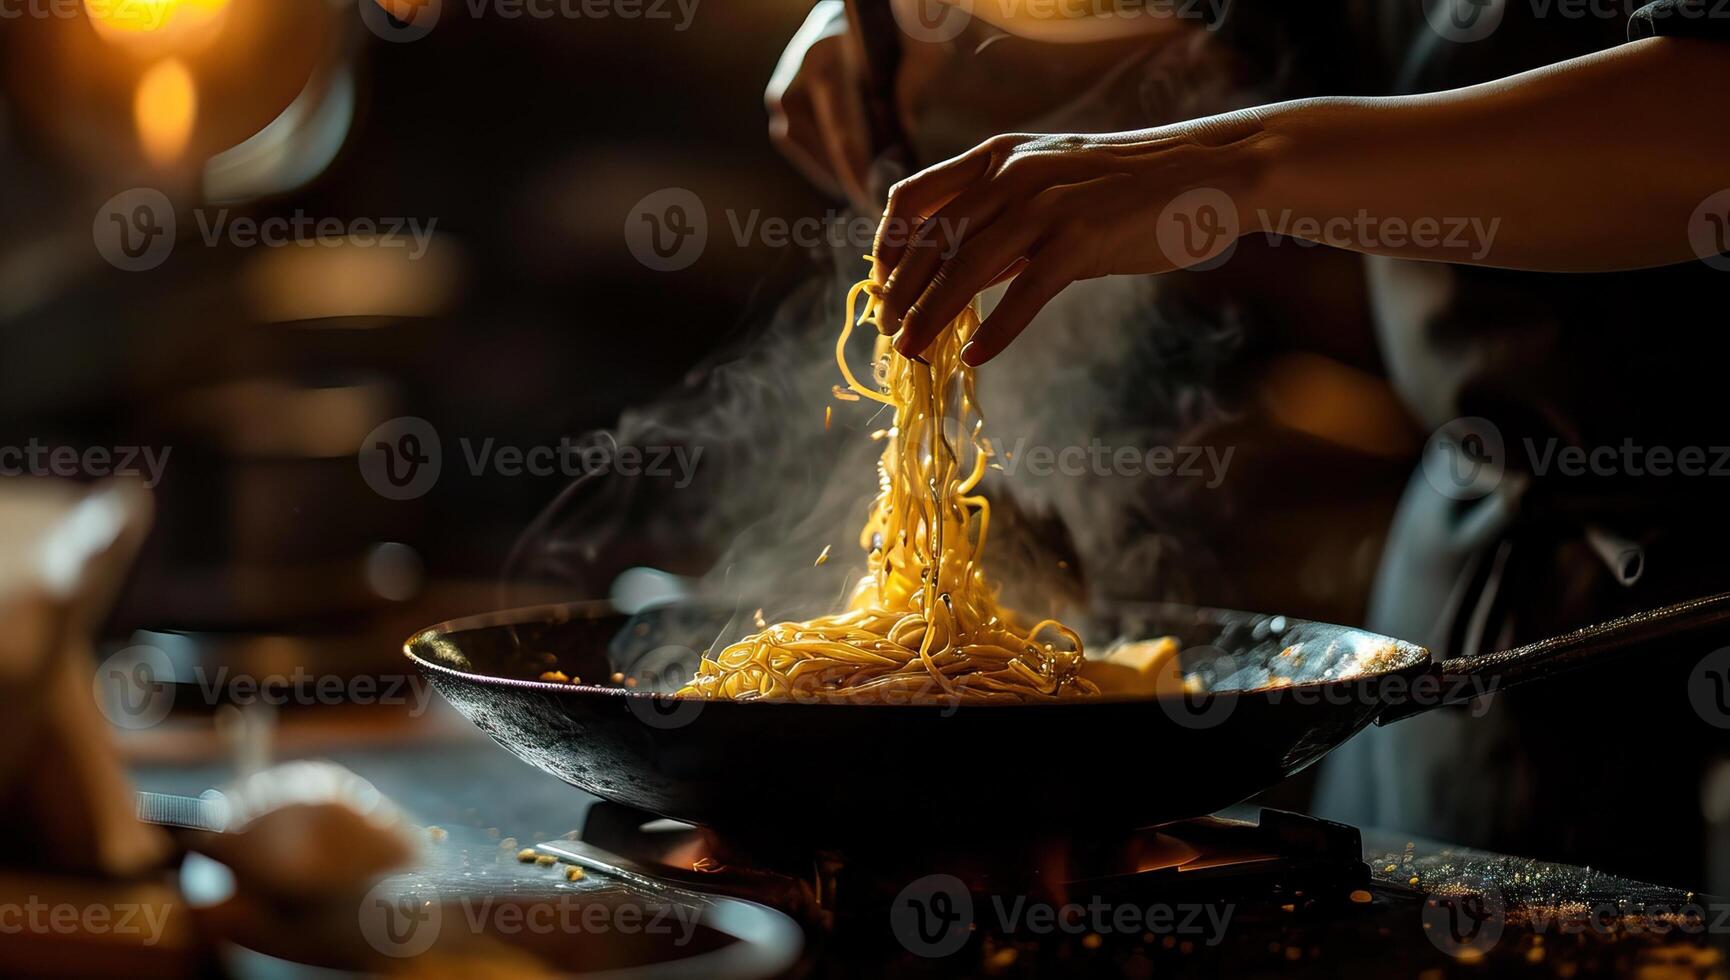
(841, 348)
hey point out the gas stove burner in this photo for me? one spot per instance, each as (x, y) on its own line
(1249, 891)
(1274, 854)
(1275, 845)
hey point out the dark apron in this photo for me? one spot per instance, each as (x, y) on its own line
(1608, 767)
(1605, 769)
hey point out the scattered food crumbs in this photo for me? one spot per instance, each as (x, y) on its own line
(1361, 897)
(437, 833)
(526, 855)
(824, 556)
(1091, 941)
(555, 677)
(618, 678)
(546, 860)
(573, 873)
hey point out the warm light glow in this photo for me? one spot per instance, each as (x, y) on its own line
(128, 20)
(164, 107)
(403, 10)
(1334, 401)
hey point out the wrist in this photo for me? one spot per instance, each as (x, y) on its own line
(1242, 155)
(1301, 167)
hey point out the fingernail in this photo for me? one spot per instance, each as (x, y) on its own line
(903, 344)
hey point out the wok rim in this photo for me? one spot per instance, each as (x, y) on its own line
(1419, 657)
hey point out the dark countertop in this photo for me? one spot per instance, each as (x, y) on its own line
(1426, 907)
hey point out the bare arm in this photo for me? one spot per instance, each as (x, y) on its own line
(1589, 165)
(1592, 164)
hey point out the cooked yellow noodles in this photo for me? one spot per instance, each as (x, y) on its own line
(923, 620)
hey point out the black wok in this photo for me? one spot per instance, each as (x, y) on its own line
(826, 770)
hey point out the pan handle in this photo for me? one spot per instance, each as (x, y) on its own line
(1693, 621)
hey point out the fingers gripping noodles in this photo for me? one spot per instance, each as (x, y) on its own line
(923, 619)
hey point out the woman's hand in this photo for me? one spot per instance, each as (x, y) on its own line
(1051, 210)
(816, 113)
(1401, 176)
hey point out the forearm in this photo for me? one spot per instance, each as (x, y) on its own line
(1592, 164)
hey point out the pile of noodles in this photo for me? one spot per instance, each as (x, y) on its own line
(923, 621)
